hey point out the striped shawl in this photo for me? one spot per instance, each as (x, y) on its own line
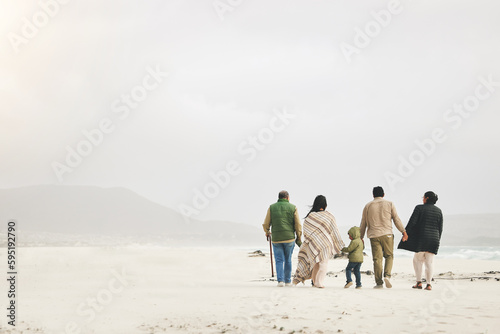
(321, 240)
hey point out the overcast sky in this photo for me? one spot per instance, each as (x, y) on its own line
(315, 97)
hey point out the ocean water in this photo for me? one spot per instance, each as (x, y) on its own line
(51, 240)
(459, 252)
(445, 252)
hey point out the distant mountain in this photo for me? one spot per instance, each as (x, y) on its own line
(94, 215)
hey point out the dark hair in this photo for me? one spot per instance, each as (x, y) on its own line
(378, 191)
(283, 194)
(319, 203)
(431, 197)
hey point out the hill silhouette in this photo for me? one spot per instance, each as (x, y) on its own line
(72, 211)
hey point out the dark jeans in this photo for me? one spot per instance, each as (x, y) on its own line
(353, 266)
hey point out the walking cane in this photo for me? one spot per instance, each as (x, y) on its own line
(271, 252)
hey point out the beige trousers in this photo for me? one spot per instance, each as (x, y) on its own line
(382, 248)
(419, 259)
(319, 273)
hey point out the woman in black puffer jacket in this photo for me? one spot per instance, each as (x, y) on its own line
(424, 234)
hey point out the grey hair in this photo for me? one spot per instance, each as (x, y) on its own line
(283, 194)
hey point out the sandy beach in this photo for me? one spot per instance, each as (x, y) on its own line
(217, 290)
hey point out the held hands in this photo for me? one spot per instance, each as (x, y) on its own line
(405, 236)
(298, 242)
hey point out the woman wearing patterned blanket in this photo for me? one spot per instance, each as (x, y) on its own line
(321, 240)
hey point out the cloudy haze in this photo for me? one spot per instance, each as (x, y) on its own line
(213, 107)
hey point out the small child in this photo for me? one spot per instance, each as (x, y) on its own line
(355, 250)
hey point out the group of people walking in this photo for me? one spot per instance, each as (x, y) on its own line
(322, 239)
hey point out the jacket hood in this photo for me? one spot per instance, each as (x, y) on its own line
(354, 232)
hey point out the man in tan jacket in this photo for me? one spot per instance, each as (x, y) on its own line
(377, 219)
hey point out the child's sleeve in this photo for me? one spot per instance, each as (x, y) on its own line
(352, 246)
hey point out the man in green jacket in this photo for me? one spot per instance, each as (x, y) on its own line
(283, 223)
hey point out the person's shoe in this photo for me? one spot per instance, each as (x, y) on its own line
(428, 287)
(288, 284)
(387, 283)
(417, 286)
(379, 286)
(358, 287)
(347, 285)
(281, 284)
